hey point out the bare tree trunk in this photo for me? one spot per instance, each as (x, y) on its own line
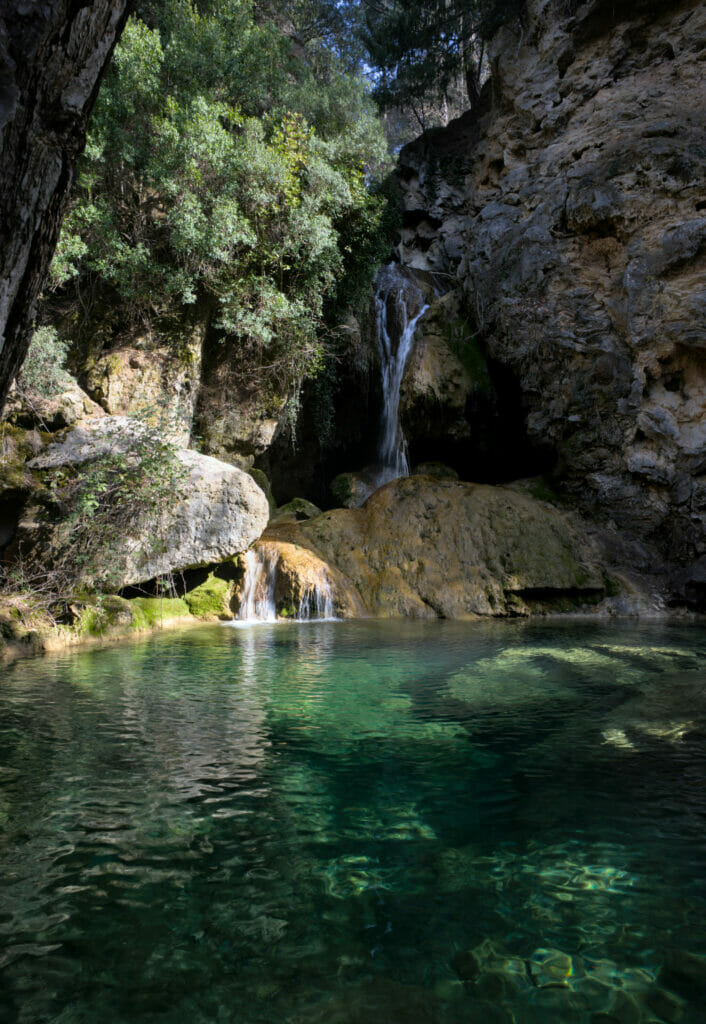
(52, 56)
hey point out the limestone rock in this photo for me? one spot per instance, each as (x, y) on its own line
(350, 490)
(425, 548)
(439, 381)
(569, 210)
(302, 582)
(295, 511)
(219, 512)
(155, 382)
(54, 413)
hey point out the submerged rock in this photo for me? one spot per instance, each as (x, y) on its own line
(426, 548)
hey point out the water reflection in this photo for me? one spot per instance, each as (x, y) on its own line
(364, 821)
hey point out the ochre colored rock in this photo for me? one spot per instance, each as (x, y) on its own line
(299, 574)
(421, 547)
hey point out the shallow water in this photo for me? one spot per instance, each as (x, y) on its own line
(357, 822)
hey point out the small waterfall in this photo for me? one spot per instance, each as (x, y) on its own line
(259, 589)
(317, 602)
(400, 306)
(258, 600)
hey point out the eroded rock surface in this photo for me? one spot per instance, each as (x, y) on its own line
(155, 382)
(571, 210)
(426, 547)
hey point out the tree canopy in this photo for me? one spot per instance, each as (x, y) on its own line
(229, 167)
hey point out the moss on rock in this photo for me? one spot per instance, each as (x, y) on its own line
(151, 612)
(211, 599)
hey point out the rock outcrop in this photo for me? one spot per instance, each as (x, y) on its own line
(158, 383)
(425, 547)
(570, 209)
(218, 510)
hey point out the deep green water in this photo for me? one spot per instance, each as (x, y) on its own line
(362, 822)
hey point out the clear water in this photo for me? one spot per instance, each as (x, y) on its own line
(357, 822)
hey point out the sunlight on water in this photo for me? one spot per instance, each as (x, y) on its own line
(357, 822)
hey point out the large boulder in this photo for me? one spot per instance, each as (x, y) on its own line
(568, 207)
(215, 511)
(422, 547)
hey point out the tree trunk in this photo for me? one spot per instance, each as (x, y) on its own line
(52, 56)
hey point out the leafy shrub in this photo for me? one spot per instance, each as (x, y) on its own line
(43, 370)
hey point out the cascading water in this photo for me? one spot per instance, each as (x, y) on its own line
(258, 601)
(317, 602)
(400, 306)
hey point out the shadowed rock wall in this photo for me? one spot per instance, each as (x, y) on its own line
(571, 211)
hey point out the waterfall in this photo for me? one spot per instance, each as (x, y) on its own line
(317, 602)
(258, 604)
(400, 306)
(258, 601)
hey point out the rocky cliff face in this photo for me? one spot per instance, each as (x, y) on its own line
(570, 212)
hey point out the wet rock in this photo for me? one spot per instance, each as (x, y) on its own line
(301, 584)
(436, 470)
(350, 490)
(295, 511)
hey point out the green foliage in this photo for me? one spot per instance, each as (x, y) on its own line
(43, 370)
(225, 166)
(422, 47)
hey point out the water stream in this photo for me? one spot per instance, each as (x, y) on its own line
(400, 306)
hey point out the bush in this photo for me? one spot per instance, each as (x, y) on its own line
(43, 370)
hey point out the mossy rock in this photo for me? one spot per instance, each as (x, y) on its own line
(211, 599)
(350, 490)
(262, 481)
(436, 470)
(296, 511)
(102, 616)
(151, 612)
